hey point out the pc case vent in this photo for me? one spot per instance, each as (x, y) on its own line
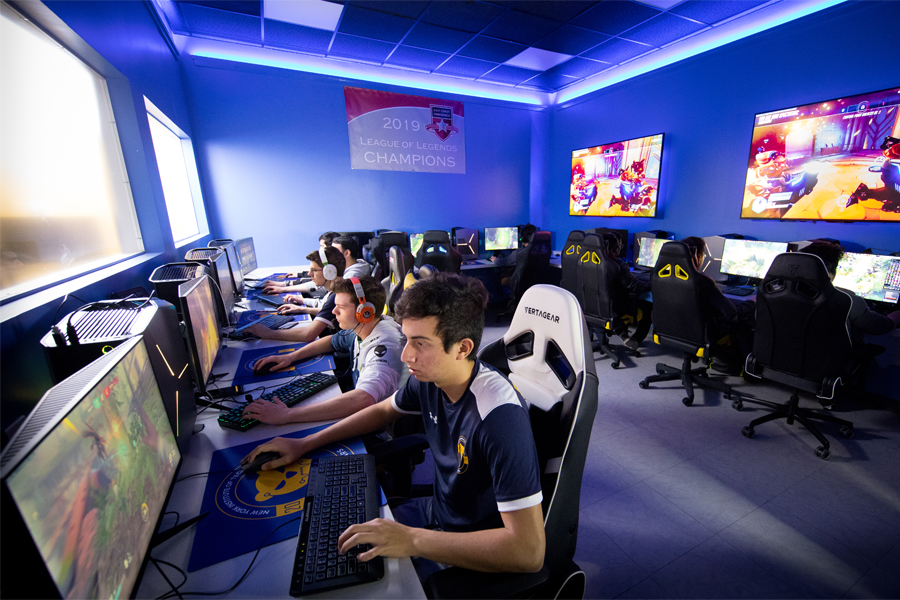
(201, 253)
(176, 273)
(104, 322)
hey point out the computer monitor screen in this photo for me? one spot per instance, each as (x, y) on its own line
(234, 264)
(246, 255)
(617, 180)
(466, 241)
(501, 238)
(223, 277)
(91, 482)
(750, 258)
(648, 251)
(415, 242)
(870, 276)
(201, 327)
(832, 161)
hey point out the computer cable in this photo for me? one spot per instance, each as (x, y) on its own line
(175, 588)
(204, 474)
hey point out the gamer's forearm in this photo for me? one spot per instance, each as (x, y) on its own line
(365, 421)
(334, 408)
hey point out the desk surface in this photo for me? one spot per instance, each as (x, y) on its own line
(270, 575)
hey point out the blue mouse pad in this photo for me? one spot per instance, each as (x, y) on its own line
(257, 293)
(244, 509)
(244, 373)
(248, 316)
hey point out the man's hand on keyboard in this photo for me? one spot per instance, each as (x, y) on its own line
(291, 451)
(260, 331)
(387, 538)
(273, 287)
(275, 412)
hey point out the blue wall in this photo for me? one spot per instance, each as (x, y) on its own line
(274, 156)
(705, 106)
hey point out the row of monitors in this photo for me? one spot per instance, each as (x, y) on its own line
(870, 276)
(467, 241)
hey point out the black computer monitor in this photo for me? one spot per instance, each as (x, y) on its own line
(750, 258)
(870, 276)
(234, 264)
(501, 238)
(636, 245)
(246, 254)
(647, 251)
(466, 242)
(201, 328)
(85, 481)
(362, 237)
(222, 274)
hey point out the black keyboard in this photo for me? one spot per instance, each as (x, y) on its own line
(291, 394)
(273, 301)
(270, 321)
(342, 490)
(737, 290)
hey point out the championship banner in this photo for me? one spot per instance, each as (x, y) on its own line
(398, 132)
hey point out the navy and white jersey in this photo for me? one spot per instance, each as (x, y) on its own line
(485, 460)
(326, 313)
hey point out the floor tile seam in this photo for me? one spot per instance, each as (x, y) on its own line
(853, 492)
(620, 548)
(639, 583)
(788, 584)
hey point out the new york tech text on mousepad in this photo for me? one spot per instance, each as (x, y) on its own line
(244, 509)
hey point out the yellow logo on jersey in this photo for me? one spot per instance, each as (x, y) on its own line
(463, 458)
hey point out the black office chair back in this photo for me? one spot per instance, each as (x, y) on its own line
(398, 272)
(801, 320)
(437, 251)
(569, 259)
(533, 267)
(600, 275)
(678, 312)
(380, 246)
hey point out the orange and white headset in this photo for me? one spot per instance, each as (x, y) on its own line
(365, 312)
(329, 271)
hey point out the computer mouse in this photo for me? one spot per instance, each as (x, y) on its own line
(263, 369)
(256, 464)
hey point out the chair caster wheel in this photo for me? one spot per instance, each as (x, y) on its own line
(823, 452)
(748, 432)
(847, 432)
(643, 385)
(659, 371)
(737, 405)
(704, 375)
(636, 354)
(614, 365)
(687, 401)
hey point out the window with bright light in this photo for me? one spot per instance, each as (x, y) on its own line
(65, 199)
(178, 172)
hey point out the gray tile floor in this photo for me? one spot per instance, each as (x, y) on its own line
(676, 503)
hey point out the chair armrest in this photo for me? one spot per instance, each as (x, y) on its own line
(397, 447)
(455, 582)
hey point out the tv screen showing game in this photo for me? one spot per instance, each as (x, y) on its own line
(750, 258)
(648, 252)
(870, 276)
(501, 238)
(91, 481)
(415, 242)
(617, 180)
(837, 160)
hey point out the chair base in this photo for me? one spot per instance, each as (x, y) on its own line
(791, 411)
(689, 378)
(602, 345)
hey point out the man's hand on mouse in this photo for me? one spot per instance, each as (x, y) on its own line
(293, 299)
(275, 412)
(289, 309)
(277, 362)
(291, 451)
(260, 331)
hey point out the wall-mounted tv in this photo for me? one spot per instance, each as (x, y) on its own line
(837, 160)
(616, 180)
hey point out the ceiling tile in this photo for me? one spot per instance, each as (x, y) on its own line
(222, 24)
(615, 16)
(309, 13)
(569, 39)
(373, 24)
(579, 67)
(467, 16)
(360, 48)
(432, 37)
(410, 10)
(288, 35)
(537, 59)
(558, 10)
(491, 49)
(662, 4)
(713, 11)
(510, 75)
(244, 7)
(520, 27)
(663, 29)
(616, 51)
(416, 58)
(465, 67)
(551, 81)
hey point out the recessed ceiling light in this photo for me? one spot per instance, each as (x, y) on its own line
(537, 59)
(309, 13)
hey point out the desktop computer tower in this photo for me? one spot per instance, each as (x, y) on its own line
(167, 278)
(93, 330)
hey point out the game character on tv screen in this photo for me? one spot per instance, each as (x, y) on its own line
(773, 186)
(633, 195)
(889, 167)
(584, 192)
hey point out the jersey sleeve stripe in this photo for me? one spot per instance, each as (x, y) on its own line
(521, 503)
(400, 410)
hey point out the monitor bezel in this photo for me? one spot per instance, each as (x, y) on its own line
(745, 241)
(184, 290)
(245, 268)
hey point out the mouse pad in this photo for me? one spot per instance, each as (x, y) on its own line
(244, 373)
(248, 316)
(244, 509)
(258, 293)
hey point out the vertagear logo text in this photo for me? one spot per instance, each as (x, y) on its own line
(542, 314)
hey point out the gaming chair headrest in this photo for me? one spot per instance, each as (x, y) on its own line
(799, 265)
(676, 253)
(396, 264)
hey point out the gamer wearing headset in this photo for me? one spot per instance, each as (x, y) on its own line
(486, 511)
(326, 265)
(374, 342)
(354, 267)
(283, 287)
(625, 294)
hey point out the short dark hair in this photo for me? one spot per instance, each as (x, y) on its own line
(333, 256)
(611, 243)
(372, 289)
(348, 242)
(527, 233)
(831, 254)
(696, 245)
(457, 301)
(328, 237)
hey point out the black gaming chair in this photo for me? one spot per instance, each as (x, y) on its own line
(547, 355)
(396, 274)
(569, 260)
(532, 267)
(437, 251)
(679, 322)
(380, 246)
(802, 341)
(599, 276)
